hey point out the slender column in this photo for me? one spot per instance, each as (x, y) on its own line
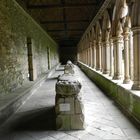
(136, 48)
(135, 17)
(98, 54)
(131, 55)
(102, 57)
(83, 56)
(94, 54)
(111, 58)
(91, 55)
(118, 44)
(106, 58)
(86, 55)
(126, 55)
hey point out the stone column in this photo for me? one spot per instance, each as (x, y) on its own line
(91, 55)
(82, 56)
(106, 58)
(111, 58)
(98, 54)
(131, 55)
(86, 56)
(126, 53)
(136, 50)
(94, 54)
(118, 44)
(136, 43)
(102, 57)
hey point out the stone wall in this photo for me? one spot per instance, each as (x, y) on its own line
(15, 27)
(128, 99)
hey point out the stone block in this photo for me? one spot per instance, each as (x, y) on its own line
(68, 86)
(63, 122)
(77, 122)
(65, 106)
(79, 107)
(70, 100)
(58, 101)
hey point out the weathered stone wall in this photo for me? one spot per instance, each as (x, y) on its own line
(15, 26)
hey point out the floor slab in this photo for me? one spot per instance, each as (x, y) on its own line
(35, 120)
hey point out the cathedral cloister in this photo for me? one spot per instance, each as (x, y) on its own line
(69, 70)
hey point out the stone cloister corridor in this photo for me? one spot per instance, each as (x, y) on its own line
(35, 119)
(69, 69)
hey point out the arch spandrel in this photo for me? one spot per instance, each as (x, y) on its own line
(93, 35)
(106, 27)
(98, 31)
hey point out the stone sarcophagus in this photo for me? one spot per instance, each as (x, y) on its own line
(69, 107)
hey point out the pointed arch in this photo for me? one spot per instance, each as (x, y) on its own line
(120, 11)
(98, 31)
(93, 36)
(106, 26)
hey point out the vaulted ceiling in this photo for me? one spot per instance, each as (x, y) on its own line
(64, 20)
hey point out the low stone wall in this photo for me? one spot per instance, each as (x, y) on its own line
(128, 99)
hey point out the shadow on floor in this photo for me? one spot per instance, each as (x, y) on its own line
(41, 119)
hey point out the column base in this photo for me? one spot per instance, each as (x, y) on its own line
(98, 69)
(136, 87)
(126, 81)
(111, 74)
(105, 71)
(117, 77)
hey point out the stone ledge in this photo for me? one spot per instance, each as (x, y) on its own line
(128, 99)
(9, 103)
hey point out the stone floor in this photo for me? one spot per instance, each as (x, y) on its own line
(35, 120)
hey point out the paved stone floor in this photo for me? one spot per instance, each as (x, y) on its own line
(35, 120)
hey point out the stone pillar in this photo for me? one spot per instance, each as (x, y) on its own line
(98, 54)
(111, 58)
(106, 58)
(87, 56)
(126, 52)
(136, 43)
(131, 62)
(118, 44)
(94, 54)
(102, 57)
(136, 48)
(91, 55)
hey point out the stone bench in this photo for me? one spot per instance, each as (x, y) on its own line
(68, 104)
